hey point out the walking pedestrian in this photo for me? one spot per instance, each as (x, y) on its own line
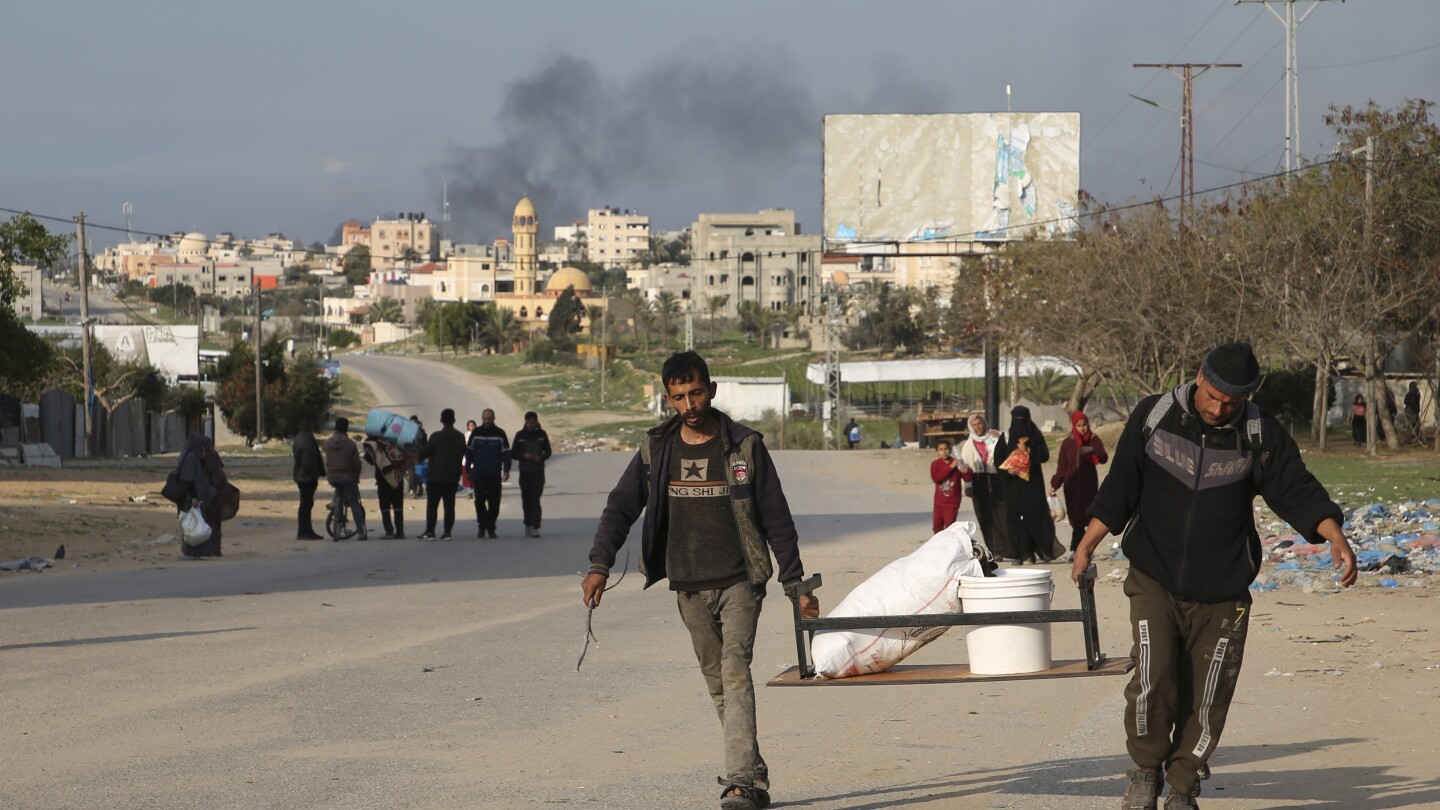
(852, 433)
(1182, 489)
(389, 462)
(1075, 473)
(714, 512)
(487, 460)
(1027, 513)
(343, 469)
(947, 473)
(309, 468)
(417, 481)
(1357, 420)
(444, 452)
(985, 487)
(531, 448)
(199, 482)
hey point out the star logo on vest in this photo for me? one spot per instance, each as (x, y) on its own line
(696, 470)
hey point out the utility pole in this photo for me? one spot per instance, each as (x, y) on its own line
(89, 417)
(689, 331)
(605, 298)
(1373, 402)
(259, 386)
(831, 407)
(1292, 73)
(1187, 73)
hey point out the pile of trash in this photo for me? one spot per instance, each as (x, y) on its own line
(1396, 544)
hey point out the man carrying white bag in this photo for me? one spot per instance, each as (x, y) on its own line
(926, 581)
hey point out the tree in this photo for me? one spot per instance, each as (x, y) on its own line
(500, 330)
(885, 322)
(309, 398)
(642, 314)
(387, 310)
(235, 386)
(449, 326)
(356, 265)
(341, 338)
(566, 318)
(25, 358)
(713, 305)
(316, 248)
(409, 255)
(245, 252)
(760, 319)
(667, 306)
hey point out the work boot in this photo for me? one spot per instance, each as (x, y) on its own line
(1144, 790)
(1180, 801)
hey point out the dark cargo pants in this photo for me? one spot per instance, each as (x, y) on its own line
(722, 629)
(1187, 662)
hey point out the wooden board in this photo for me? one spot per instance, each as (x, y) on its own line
(953, 673)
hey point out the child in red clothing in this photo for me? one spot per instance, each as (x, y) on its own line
(946, 471)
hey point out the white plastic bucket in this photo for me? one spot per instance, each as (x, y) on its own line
(1008, 649)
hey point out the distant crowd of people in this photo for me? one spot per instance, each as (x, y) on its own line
(438, 466)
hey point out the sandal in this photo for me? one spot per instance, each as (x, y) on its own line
(743, 797)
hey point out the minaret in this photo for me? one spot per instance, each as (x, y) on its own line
(527, 254)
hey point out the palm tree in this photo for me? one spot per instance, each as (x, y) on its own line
(642, 312)
(596, 314)
(387, 310)
(713, 304)
(409, 254)
(500, 329)
(667, 306)
(759, 318)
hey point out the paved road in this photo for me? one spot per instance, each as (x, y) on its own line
(425, 386)
(442, 675)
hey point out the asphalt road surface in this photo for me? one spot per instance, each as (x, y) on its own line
(405, 674)
(412, 385)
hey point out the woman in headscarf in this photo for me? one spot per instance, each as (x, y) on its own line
(1080, 453)
(984, 485)
(1027, 515)
(203, 485)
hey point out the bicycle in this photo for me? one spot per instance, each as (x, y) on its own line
(337, 521)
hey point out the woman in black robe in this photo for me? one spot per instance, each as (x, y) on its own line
(1027, 513)
(202, 484)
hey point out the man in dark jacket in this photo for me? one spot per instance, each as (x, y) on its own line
(343, 468)
(531, 448)
(714, 511)
(445, 451)
(417, 486)
(309, 469)
(1182, 486)
(487, 459)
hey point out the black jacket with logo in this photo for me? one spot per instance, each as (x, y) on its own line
(1186, 498)
(761, 512)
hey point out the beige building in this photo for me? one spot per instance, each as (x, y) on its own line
(390, 238)
(31, 303)
(199, 276)
(755, 257)
(472, 273)
(616, 236)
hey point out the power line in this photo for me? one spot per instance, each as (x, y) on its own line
(1377, 59)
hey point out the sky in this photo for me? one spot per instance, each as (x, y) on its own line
(292, 117)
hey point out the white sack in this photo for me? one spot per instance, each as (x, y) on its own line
(194, 530)
(926, 581)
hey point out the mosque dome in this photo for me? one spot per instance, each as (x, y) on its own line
(193, 244)
(569, 277)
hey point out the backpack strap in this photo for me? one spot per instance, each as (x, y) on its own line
(1255, 441)
(1157, 414)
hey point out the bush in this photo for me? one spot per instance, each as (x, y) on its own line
(341, 339)
(540, 352)
(1288, 394)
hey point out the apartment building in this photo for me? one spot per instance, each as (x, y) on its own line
(616, 236)
(391, 238)
(755, 257)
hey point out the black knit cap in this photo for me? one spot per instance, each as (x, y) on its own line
(1232, 369)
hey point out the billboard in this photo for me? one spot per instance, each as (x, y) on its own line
(174, 350)
(950, 177)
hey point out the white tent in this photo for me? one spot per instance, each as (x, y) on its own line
(959, 368)
(751, 397)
